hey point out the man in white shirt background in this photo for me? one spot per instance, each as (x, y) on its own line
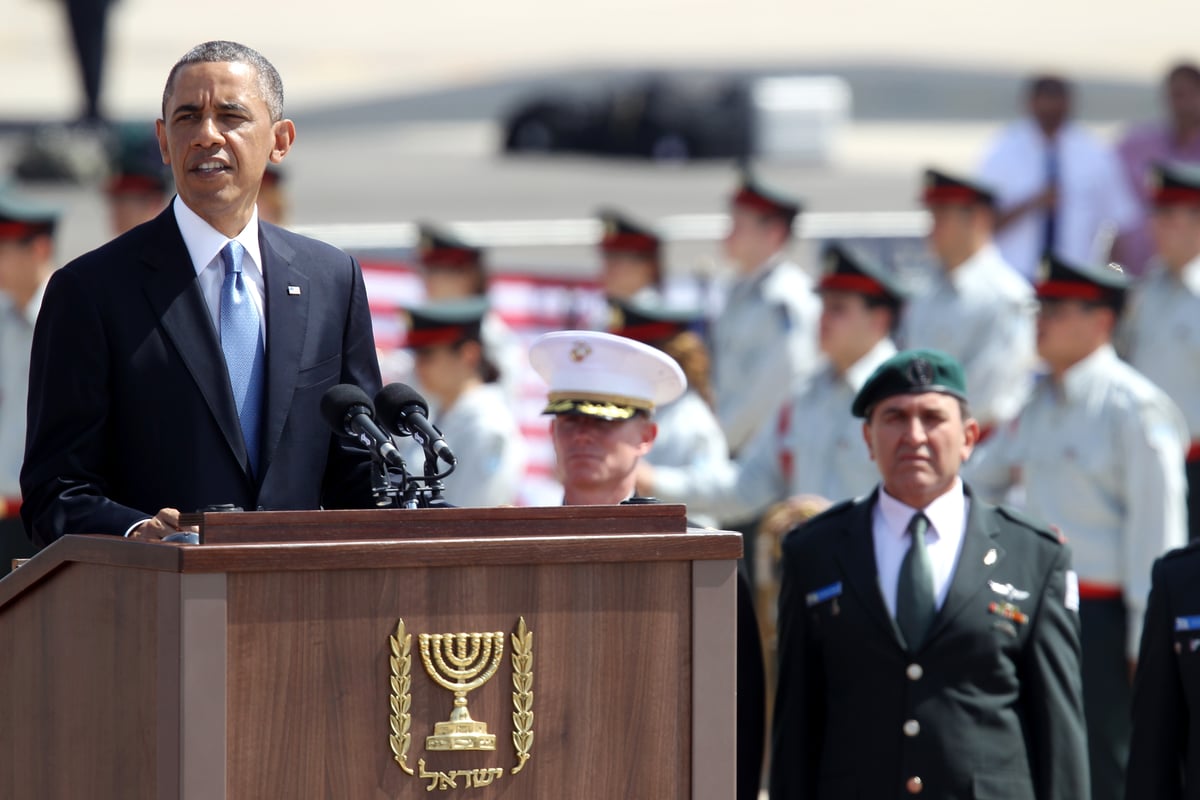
(1059, 188)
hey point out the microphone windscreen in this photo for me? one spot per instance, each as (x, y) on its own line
(394, 398)
(340, 399)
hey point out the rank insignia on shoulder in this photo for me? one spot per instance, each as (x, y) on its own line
(824, 594)
(1008, 611)
(1187, 623)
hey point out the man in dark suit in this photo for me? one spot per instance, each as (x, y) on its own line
(182, 364)
(1164, 755)
(949, 669)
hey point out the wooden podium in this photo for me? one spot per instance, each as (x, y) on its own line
(282, 659)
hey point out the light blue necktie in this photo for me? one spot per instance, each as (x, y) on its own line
(242, 344)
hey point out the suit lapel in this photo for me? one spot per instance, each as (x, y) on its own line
(977, 559)
(174, 293)
(857, 557)
(287, 303)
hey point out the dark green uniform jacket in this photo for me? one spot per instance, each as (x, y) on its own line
(1164, 759)
(989, 706)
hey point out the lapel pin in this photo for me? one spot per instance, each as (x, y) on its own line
(990, 557)
(294, 291)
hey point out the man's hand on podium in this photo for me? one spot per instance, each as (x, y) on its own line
(164, 523)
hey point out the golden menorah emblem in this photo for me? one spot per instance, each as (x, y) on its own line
(461, 662)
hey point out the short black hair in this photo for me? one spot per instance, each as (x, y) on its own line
(1049, 85)
(270, 85)
(1184, 69)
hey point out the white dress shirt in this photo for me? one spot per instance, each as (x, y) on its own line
(1094, 202)
(947, 517)
(204, 244)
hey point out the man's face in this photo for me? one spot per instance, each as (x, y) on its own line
(1050, 108)
(18, 265)
(218, 136)
(1176, 230)
(1067, 331)
(1183, 100)
(918, 443)
(597, 454)
(847, 325)
(752, 237)
(626, 274)
(452, 283)
(950, 231)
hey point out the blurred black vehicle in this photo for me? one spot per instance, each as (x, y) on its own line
(663, 118)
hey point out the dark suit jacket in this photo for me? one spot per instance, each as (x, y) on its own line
(130, 405)
(1164, 758)
(986, 707)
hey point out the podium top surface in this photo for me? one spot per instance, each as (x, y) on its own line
(271, 541)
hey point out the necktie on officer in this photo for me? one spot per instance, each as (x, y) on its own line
(915, 603)
(242, 344)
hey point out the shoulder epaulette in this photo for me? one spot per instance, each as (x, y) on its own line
(1021, 519)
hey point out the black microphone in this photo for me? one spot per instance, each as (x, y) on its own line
(405, 413)
(350, 412)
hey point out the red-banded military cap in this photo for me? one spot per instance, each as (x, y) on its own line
(620, 234)
(752, 193)
(445, 323)
(440, 248)
(649, 324)
(1060, 280)
(137, 166)
(1174, 184)
(942, 187)
(847, 270)
(21, 218)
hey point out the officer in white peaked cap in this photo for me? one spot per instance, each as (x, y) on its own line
(603, 392)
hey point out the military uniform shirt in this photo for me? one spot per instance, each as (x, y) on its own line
(690, 441)
(16, 339)
(1162, 337)
(764, 341)
(814, 446)
(485, 438)
(1100, 457)
(982, 313)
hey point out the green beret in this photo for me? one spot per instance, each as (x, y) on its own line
(911, 372)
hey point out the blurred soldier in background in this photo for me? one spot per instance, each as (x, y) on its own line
(26, 262)
(813, 451)
(468, 407)
(765, 338)
(451, 269)
(929, 643)
(1161, 336)
(1058, 188)
(689, 440)
(1175, 139)
(140, 184)
(632, 267)
(978, 310)
(1099, 452)
(273, 203)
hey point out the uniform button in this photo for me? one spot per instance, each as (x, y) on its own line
(912, 728)
(914, 785)
(914, 672)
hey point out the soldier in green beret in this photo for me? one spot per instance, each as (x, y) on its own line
(929, 642)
